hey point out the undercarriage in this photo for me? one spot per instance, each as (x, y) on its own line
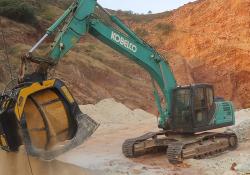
(180, 146)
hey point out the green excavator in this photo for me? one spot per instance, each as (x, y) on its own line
(42, 115)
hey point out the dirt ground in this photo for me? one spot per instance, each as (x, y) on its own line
(102, 152)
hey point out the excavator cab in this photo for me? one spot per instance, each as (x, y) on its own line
(44, 117)
(195, 109)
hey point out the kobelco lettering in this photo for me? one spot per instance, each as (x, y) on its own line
(122, 41)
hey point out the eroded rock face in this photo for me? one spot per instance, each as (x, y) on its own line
(3, 78)
(208, 42)
(213, 37)
(216, 45)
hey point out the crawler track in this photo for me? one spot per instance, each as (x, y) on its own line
(179, 147)
(130, 146)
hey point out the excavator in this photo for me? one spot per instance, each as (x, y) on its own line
(41, 113)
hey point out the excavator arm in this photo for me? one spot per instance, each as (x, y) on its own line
(82, 18)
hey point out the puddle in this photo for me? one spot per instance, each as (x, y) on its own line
(17, 163)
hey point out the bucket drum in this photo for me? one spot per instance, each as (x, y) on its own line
(45, 118)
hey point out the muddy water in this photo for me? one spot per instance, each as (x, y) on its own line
(17, 164)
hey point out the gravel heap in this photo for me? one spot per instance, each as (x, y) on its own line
(222, 164)
(242, 127)
(108, 111)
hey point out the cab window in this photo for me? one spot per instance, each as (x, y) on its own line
(182, 105)
(210, 96)
(199, 98)
(200, 107)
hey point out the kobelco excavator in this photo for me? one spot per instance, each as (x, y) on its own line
(41, 113)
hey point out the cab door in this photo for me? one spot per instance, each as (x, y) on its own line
(182, 113)
(200, 107)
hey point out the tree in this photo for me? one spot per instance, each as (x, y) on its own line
(19, 11)
(149, 12)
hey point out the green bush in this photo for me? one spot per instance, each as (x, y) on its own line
(165, 28)
(19, 11)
